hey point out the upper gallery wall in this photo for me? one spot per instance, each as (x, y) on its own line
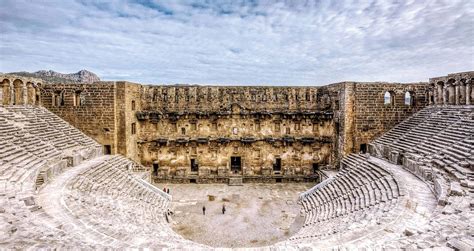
(358, 112)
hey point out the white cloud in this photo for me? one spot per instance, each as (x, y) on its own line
(240, 42)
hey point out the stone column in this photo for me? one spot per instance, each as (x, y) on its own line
(445, 95)
(468, 93)
(24, 96)
(440, 97)
(12, 93)
(456, 94)
(435, 95)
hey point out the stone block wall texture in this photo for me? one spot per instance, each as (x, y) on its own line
(371, 117)
(170, 126)
(88, 107)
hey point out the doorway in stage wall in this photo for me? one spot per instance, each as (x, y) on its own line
(155, 169)
(194, 165)
(363, 148)
(315, 168)
(235, 164)
(107, 150)
(277, 165)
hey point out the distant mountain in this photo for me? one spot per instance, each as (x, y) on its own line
(82, 76)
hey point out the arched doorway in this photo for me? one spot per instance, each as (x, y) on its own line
(18, 92)
(5, 92)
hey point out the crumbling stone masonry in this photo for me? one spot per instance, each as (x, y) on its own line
(191, 133)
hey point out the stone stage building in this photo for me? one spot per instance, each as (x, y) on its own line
(191, 133)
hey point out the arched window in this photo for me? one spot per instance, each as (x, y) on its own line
(78, 99)
(5, 90)
(30, 93)
(61, 99)
(18, 92)
(133, 105)
(388, 98)
(408, 99)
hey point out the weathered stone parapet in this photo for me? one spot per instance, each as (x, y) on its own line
(453, 89)
(18, 90)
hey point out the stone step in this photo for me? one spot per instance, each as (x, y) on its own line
(235, 181)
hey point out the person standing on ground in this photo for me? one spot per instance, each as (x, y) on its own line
(223, 209)
(203, 210)
(168, 191)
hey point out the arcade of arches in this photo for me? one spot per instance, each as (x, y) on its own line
(14, 91)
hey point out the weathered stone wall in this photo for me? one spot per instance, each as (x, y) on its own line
(169, 128)
(16, 90)
(204, 127)
(89, 107)
(214, 98)
(126, 94)
(371, 117)
(453, 89)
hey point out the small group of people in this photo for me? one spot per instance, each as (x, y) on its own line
(204, 209)
(166, 190)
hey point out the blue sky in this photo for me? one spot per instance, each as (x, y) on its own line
(240, 42)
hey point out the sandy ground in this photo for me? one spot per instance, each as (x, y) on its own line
(256, 214)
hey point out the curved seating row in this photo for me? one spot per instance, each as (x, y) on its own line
(437, 145)
(102, 206)
(361, 193)
(28, 146)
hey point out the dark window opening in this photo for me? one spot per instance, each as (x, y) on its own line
(134, 128)
(315, 167)
(133, 105)
(107, 149)
(278, 180)
(235, 164)
(363, 148)
(194, 165)
(155, 169)
(277, 165)
(193, 181)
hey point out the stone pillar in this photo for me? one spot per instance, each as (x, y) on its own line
(12, 93)
(440, 98)
(456, 94)
(24, 96)
(462, 93)
(445, 95)
(435, 94)
(468, 93)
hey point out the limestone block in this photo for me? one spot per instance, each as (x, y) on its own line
(222, 171)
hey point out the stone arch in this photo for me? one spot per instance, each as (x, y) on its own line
(18, 93)
(389, 98)
(79, 98)
(409, 98)
(38, 93)
(30, 93)
(5, 92)
(450, 92)
(57, 98)
(440, 97)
